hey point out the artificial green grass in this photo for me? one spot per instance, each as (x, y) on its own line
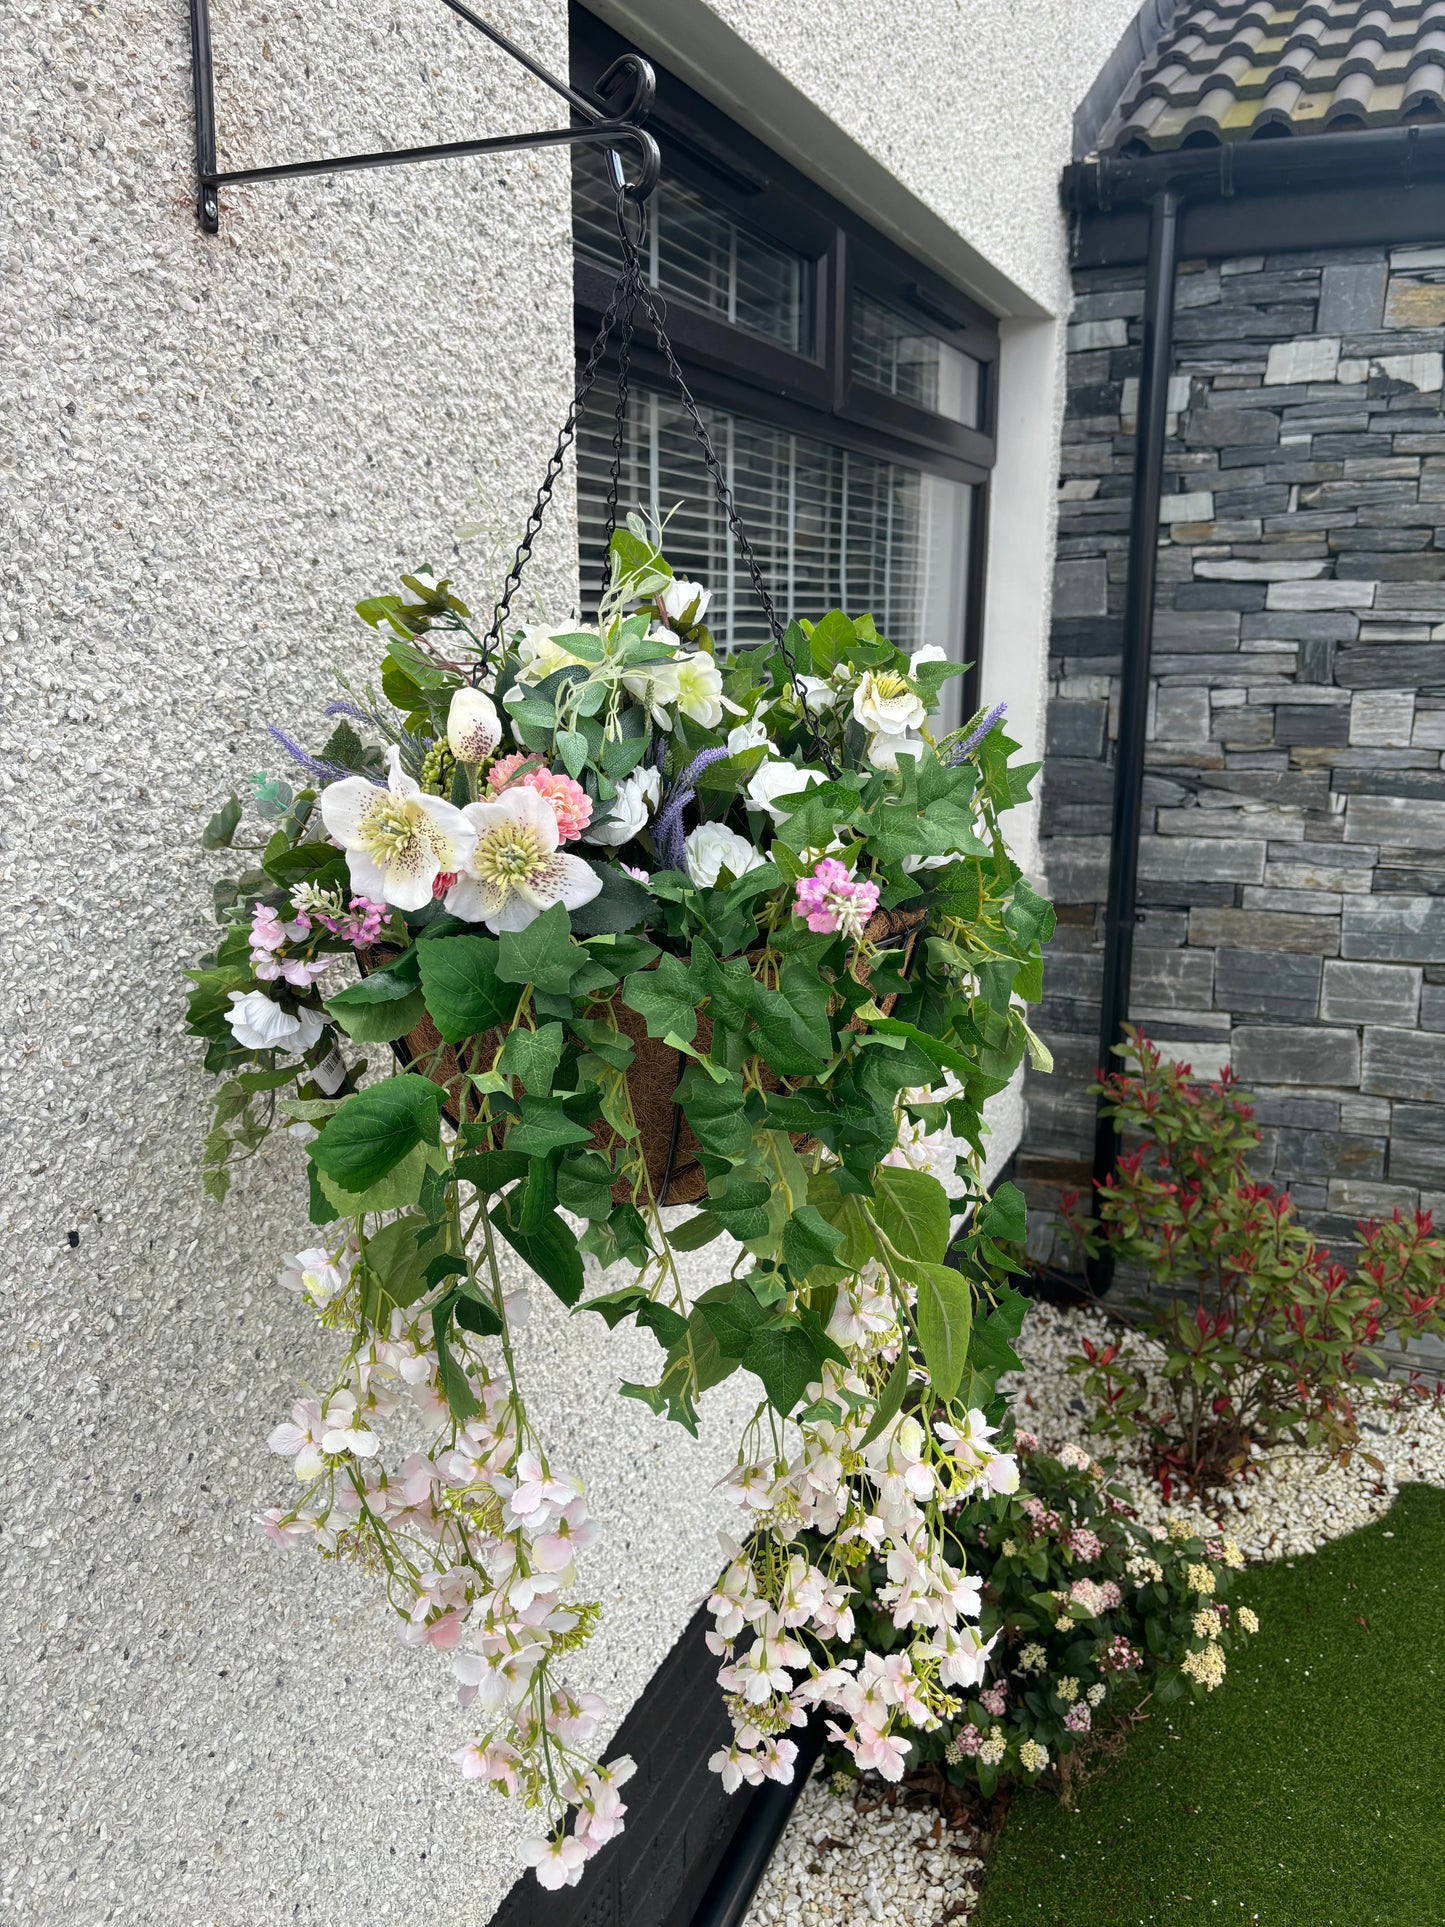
(1308, 1791)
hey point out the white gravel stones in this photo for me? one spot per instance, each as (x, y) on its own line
(1292, 1504)
(891, 1867)
(837, 1867)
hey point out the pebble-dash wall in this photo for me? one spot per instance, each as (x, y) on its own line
(1291, 900)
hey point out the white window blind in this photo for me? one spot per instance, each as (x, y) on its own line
(832, 528)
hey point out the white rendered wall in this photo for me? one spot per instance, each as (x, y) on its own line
(213, 448)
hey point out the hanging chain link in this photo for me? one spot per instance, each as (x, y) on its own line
(631, 287)
(554, 469)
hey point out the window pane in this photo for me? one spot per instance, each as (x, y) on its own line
(901, 359)
(831, 528)
(697, 255)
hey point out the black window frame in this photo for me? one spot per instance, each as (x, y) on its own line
(812, 393)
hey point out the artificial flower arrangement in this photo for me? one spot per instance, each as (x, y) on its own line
(1085, 1612)
(640, 925)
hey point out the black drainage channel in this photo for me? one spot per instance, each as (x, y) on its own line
(745, 1859)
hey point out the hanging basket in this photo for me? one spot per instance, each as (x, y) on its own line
(672, 1153)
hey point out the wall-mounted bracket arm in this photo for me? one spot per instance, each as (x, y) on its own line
(613, 120)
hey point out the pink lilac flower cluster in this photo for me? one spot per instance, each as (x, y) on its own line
(1078, 1719)
(1041, 1517)
(486, 1532)
(359, 924)
(965, 1742)
(995, 1699)
(830, 899)
(269, 936)
(571, 804)
(1096, 1597)
(1084, 1544)
(1121, 1656)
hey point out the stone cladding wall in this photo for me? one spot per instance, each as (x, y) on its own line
(1291, 900)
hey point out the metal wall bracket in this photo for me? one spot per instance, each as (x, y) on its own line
(614, 120)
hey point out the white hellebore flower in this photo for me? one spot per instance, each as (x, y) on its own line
(638, 795)
(711, 847)
(699, 688)
(473, 727)
(397, 841)
(259, 1024)
(773, 779)
(685, 603)
(887, 704)
(514, 870)
(539, 655)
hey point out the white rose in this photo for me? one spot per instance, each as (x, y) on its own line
(773, 779)
(711, 847)
(684, 603)
(746, 736)
(930, 652)
(260, 1024)
(883, 750)
(473, 727)
(887, 703)
(699, 688)
(821, 695)
(637, 797)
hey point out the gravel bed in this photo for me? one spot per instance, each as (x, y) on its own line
(899, 1867)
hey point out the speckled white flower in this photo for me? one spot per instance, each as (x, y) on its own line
(473, 726)
(514, 869)
(713, 847)
(887, 704)
(397, 841)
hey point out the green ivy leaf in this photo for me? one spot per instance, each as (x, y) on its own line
(584, 1185)
(376, 1128)
(533, 1055)
(466, 995)
(377, 1020)
(545, 1127)
(664, 998)
(808, 1240)
(741, 1206)
(945, 1322)
(1005, 1216)
(785, 1359)
(543, 954)
(733, 1322)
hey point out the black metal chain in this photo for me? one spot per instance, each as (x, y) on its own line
(554, 469)
(630, 287)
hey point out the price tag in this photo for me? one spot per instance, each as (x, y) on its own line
(330, 1073)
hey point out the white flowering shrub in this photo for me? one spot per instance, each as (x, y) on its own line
(1082, 1613)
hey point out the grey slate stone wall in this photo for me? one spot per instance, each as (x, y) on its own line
(1292, 872)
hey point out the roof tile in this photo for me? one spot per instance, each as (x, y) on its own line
(1245, 69)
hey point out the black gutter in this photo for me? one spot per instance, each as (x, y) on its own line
(1402, 157)
(730, 1894)
(1158, 360)
(1378, 161)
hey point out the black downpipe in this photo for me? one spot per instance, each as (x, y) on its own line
(1154, 371)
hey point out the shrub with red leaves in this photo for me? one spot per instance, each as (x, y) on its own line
(1265, 1334)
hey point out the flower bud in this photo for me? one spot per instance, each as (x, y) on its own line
(684, 603)
(473, 728)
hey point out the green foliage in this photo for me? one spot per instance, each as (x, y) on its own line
(375, 1129)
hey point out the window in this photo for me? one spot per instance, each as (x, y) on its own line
(847, 390)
